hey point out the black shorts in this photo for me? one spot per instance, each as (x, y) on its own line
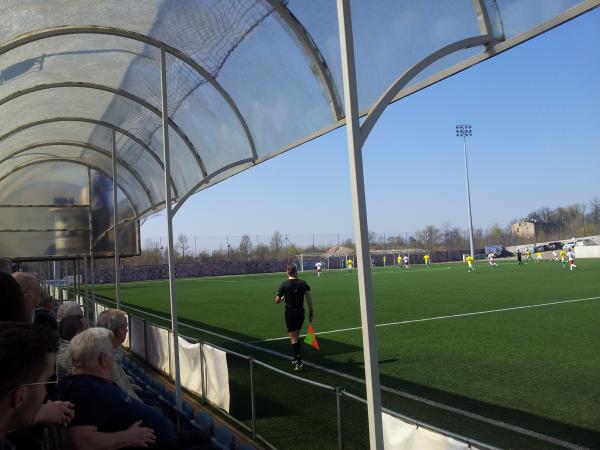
(294, 318)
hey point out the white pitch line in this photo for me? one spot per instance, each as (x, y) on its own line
(411, 271)
(427, 319)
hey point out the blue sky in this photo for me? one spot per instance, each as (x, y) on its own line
(535, 112)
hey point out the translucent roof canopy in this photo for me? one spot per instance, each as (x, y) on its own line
(246, 79)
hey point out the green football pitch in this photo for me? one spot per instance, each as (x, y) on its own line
(506, 355)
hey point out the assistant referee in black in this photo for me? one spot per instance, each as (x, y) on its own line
(293, 291)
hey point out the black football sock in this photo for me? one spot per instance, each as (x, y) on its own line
(296, 349)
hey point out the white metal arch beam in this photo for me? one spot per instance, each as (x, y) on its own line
(208, 179)
(101, 123)
(94, 148)
(313, 52)
(127, 34)
(396, 86)
(120, 92)
(71, 161)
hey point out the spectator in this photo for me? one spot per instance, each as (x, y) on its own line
(27, 360)
(44, 313)
(67, 309)
(116, 321)
(69, 328)
(102, 405)
(12, 306)
(32, 292)
(4, 265)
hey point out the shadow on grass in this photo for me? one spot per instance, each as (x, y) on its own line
(268, 406)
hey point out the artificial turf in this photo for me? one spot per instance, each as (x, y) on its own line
(536, 368)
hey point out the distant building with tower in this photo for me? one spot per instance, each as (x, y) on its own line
(529, 229)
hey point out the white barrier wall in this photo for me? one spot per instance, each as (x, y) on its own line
(216, 375)
(203, 368)
(400, 435)
(588, 251)
(157, 348)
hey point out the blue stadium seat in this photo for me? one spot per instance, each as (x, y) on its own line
(204, 422)
(188, 410)
(246, 446)
(224, 438)
(158, 387)
(170, 397)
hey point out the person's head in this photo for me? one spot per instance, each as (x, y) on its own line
(68, 309)
(27, 354)
(47, 302)
(71, 326)
(12, 302)
(292, 270)
(32, 291)
(4, 265)
(114, 320)
(92, 352)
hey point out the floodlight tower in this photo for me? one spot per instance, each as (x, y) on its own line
(465, 131)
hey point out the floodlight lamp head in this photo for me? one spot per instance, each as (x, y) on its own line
(463, 130)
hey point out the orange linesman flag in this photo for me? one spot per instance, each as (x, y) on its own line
(310, 338)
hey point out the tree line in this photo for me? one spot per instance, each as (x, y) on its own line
(558, 224)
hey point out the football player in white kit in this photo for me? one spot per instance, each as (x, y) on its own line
(571, 258)
(319, 267)
(492, 259)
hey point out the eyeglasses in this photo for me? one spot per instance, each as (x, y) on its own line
(38, 384)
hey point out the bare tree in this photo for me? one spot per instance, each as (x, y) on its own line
(182, 244)
(429, 237)
(276, 243)
(372, 237)
(245, 245)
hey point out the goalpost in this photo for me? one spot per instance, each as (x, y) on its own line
(307, 261)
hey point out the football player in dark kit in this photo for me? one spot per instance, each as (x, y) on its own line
(293, 291)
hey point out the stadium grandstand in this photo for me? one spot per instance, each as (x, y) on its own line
(112, 111)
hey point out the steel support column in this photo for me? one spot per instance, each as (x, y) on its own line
(170, 252)
(361, 230)
(115, 221)
(472, 247)
(86, 299)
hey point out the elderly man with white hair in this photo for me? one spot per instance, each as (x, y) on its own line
(116, 321)
(69, 308)
(107, 417)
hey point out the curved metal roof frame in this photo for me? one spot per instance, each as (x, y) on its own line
(392, 94)
(412, 72)
(87, 146)
(70, 29)
(311, 49)
(72, 161)
(100, 123)
(121, 92)
(249, 161)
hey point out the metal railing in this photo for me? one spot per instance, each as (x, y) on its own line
(252, 428)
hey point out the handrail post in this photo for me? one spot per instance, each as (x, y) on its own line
(202, 372)
(146, 351)
(251, 360)
(338, 404)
